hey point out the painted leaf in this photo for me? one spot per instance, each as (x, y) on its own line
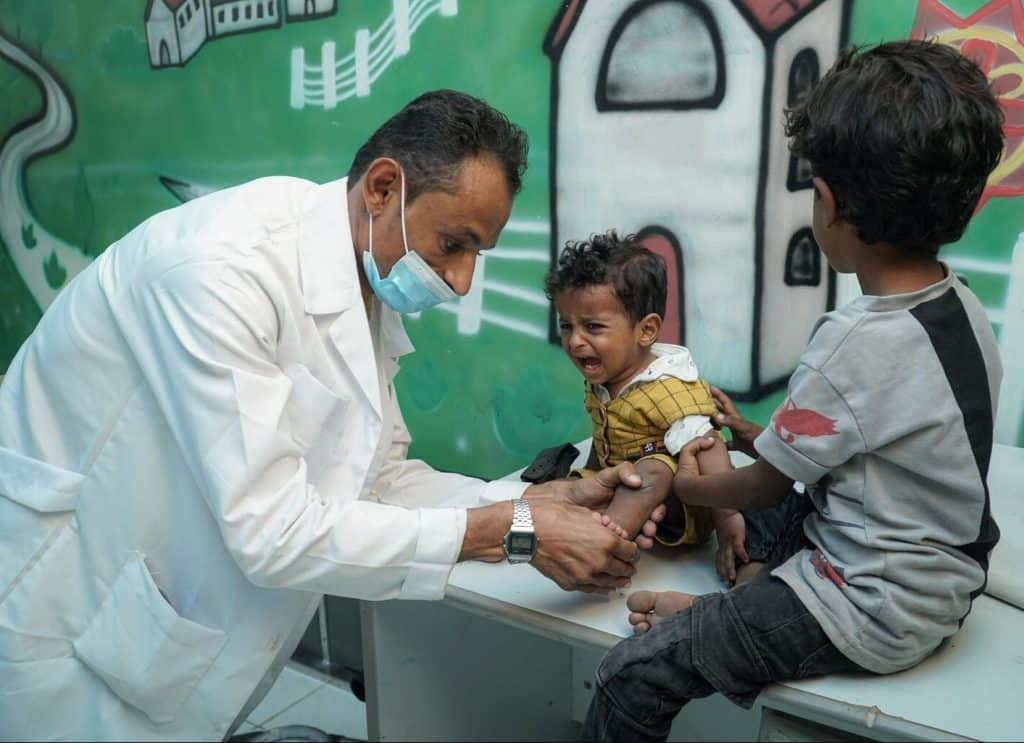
(55, 273)
(28, 235)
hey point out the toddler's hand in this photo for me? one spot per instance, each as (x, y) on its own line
(731, 531)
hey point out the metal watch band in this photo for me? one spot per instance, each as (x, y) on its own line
(521, 515)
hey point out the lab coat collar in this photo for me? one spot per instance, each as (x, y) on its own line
(327, 266)
(394, 341)
(330, 286)
(329, 274)
(330, 282)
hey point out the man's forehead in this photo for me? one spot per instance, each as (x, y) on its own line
(477, 224)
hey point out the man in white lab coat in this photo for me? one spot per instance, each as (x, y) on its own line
(201, 437)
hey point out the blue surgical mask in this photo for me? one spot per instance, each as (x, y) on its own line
(411, 285)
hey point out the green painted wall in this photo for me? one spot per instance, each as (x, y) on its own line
(481, 403)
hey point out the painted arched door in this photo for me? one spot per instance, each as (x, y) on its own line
(662, 242)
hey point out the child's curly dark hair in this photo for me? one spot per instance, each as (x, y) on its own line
(635, 273)
(905, 135)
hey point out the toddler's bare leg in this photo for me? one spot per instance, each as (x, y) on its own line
(630, 508)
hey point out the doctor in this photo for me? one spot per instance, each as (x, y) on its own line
(201, 437)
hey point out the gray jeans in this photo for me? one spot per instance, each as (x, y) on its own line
(735, 643)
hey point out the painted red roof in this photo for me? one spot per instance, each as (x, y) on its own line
(770, 14)
(766, 16)
(172, 5)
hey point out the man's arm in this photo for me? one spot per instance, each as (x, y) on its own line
(573, 549)
(203, 335)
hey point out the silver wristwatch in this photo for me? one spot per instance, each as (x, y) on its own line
(521, 540)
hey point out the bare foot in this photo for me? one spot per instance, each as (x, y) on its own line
(606, 521)
(647, 608)
(746, 573)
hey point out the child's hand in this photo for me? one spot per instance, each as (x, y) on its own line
(731, 530)
(687, 460)
(743, 431)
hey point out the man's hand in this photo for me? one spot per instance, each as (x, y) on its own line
(731, 530)
(596, 492)
(577, 552)
(743, 431)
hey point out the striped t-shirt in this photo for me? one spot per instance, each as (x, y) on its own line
(889, 420)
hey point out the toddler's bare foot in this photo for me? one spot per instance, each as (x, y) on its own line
(606, 521)
(647, 608)
(628, 514)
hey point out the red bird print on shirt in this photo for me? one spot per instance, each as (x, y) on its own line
(790, 421)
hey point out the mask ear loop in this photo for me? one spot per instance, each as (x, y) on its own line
(405, 242)
(370, 236)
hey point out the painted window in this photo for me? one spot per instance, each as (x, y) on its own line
(248, 12)
(259, 11)
(662, 54)
(804, 73)
(234, 13)
(181, 21)
(270, 8)
(803, 259)
(220, 15)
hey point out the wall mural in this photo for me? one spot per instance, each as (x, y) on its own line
(661, 117)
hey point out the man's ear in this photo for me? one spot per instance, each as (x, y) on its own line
(823, 192)
(381, 183)
(650, 327)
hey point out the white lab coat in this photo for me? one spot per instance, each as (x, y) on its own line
(199, 440)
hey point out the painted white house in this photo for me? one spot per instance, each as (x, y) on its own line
(667, 121)
(175, 30)
(299, 10)
(241, 16)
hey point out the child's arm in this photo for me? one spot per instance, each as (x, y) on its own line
(730, 527)
(743, 431)
(759, 485)
(631, 507)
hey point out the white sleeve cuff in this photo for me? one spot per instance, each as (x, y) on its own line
(437, 549)
(497, 491)
(685, 429)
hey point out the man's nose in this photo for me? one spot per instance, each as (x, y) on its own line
(459, 275)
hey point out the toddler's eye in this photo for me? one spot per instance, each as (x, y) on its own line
(452, 247)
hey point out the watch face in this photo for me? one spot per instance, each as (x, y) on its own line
(521, 543)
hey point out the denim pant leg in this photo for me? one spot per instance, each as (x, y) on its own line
(643, 681)
(774, 534)
(734, 643)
